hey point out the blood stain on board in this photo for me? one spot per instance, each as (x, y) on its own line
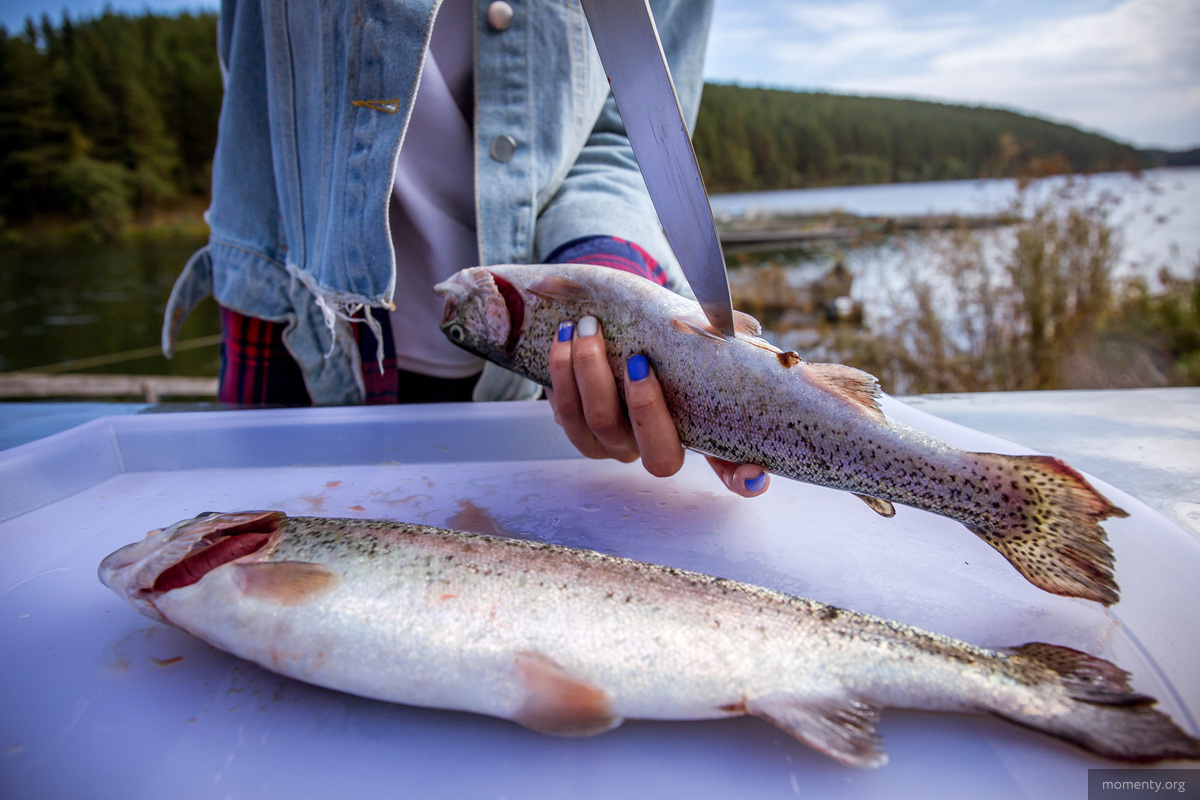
(473, 519)
(316, 503)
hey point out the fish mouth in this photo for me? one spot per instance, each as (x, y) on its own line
(450, 311)
(452, 290)
(498, 302)
(184, 553)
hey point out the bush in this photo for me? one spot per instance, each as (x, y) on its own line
(1034, 306)
(98, 191)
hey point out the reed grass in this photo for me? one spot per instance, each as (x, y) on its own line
(1032, 306)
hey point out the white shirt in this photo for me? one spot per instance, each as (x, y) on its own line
(432, 212)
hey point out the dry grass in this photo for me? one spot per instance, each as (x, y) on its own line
(1035, 307)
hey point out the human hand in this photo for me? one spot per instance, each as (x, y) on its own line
(588, 407)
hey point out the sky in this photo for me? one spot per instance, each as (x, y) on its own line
(1129, 69)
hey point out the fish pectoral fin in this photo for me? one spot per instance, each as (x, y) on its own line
(842, 728)
(559, 703)
(880, 506)
(558, 287)
(850, 384)
(284, 583)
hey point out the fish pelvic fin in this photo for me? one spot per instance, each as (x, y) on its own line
(856, 387)
(882, 507)
(842, 728)
(1098, 711)
(1047, 526)
(559, 703)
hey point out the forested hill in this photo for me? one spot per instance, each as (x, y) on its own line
(749, 139)
(105, 118)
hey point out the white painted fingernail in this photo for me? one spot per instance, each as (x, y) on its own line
(587, 327)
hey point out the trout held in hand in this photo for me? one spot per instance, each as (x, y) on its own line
(572, 642)
(746, 401)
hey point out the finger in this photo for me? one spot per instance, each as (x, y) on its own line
(651, 422)
(746, 480)
(598, 392)
(564, 395)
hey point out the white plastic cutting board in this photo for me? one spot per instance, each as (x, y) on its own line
(97, 701)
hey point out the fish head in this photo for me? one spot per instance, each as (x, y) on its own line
(484, 313)
(182, 554)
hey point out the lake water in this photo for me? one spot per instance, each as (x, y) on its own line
(1158, 212)
(1159, 191)
(61, 306)
(1156, 215)
(64, 305)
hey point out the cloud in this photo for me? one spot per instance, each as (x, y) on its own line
(819, 43)
(861, 33)
(1131, 68)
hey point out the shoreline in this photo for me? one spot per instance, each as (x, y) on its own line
(179, 223)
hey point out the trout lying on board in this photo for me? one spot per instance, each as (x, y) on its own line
(572, 642)
(746, 401)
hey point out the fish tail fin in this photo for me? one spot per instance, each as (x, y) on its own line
(1045, 521)
(1097, 709)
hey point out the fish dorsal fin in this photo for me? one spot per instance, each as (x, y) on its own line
(1084, 676)
(842, 728)
(558, 702)
(284, 583)
(850, 384)
(697, 325)
(743, 325)
(746, 325)
(880, 506)
(561, 288)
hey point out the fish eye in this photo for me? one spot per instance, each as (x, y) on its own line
(456, 333)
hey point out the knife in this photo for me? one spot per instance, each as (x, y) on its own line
(640, 79)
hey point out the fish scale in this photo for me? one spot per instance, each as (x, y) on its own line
(745, 401)
(572, 642)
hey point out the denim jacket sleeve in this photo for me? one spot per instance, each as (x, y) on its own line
(317, 100)
(603, 192)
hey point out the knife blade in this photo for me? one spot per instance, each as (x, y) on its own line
(631, 52)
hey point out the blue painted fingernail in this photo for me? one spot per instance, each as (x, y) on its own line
(638, 367)
(754, 484)
(566, 329)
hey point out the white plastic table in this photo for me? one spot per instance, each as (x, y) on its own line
(97, 701)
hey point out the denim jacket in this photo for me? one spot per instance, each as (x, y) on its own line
(317, 100)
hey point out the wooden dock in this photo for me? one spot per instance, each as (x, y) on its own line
(151, 388)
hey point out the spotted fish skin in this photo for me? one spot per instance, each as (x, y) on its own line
(746, 401)
(572, 642)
